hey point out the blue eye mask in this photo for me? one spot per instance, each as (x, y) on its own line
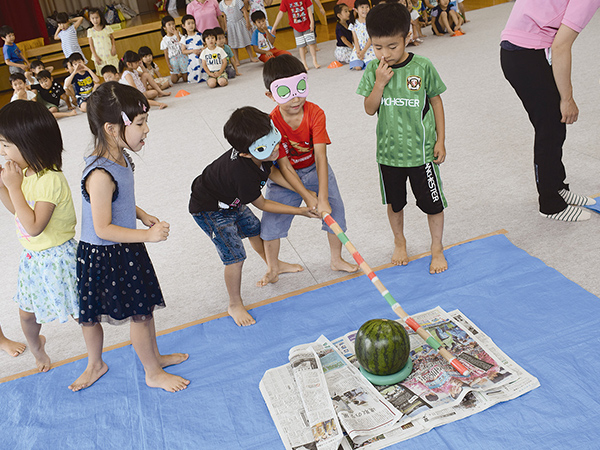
(263, 147)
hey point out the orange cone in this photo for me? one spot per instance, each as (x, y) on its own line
(458, 33)
(182, 93)
(334, 65)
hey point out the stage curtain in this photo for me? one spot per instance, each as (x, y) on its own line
(12, 13)
(71, 6)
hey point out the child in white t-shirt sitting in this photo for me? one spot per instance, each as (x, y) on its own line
(214, 60)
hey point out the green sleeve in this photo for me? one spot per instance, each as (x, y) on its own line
(434, 85)
(368, 79)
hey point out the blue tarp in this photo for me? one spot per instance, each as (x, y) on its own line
(546, 323)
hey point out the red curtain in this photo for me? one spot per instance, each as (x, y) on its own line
(25, 17)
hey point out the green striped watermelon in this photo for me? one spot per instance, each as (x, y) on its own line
(382, 346)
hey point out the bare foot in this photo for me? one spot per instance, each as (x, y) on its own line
(306, 67)
(164, 94)
(172, 359)
(317, 66)
(344, 266)
(73, 112)
(241, 316)
(283, 267)
(11, 347)
(400, 256)
(254, 59)
(237, 74)
(42, 360)
(163, 105)
(438, 261)
(90, 375)
(269, 277)
(167, 381)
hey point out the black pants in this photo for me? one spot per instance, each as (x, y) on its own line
(531, 77)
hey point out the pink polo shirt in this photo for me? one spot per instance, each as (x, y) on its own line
(533, 23)
(205, 14)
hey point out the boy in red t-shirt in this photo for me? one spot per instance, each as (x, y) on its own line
(303, 163)
(302, 21)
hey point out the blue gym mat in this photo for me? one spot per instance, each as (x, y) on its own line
(595, 207)
(546, 323)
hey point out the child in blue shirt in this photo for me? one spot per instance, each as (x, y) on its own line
(262, 39)
(82, 79)
(14, 59)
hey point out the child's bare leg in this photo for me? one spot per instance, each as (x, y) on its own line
(275, 267)
(337, 262)
(11, 347)
(83, 107)
(445, 22)
(159, 104)
(313, 52)
(174, 78)
(461, 8)
(142, 339)
(400, 255)
(165, 360)
(259, 247)
(251, 54)
(222, 81)
(37, 342)
(96, 367)
(236, 54)
(147, 79)
(436, 228)
(58, 115)
(211, 82)
(456, 20)
(302, 51)
(236, 308)
(151, 94)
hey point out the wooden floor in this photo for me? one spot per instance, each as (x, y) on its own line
(285, 38)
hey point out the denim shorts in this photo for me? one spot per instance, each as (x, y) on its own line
(226, 228)
(276, 226)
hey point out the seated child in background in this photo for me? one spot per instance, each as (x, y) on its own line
(82, 79)
(344, 44)
(66, 32)
(110, 73)
(49, 93)
(220, 195)
(130, 76)
(192, 46)
(13, 57)
(262, 39)
(148, 65)
(35, 67)
(19, 85)
(71, 100)
(303, 162)
(232, 63)
(214, 60)
(362, 53)
(410, 137)
(445, 19)
(416, 35)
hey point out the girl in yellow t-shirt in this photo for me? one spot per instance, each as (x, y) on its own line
(34, 189)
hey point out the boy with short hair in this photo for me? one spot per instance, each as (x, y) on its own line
(214, 60)
(404, 90)
(232, 63)
(13, 57)
(35, 67)
(82, 79)
(19, 85)
(262, 39)
(49, 94)
(66, 32)
(302, 161)
(220, 195)
(303, 23)
(110, 73)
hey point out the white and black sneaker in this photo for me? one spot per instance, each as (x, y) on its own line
(570, 214)
(576, 199)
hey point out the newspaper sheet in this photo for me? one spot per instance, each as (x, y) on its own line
(375, 417)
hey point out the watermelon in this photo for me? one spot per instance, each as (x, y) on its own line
(382, 346)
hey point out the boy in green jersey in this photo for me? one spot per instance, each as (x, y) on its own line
(404, 90)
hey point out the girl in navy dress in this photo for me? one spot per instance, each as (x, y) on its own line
(116, 280)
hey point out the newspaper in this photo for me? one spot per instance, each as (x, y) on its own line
(375, 417)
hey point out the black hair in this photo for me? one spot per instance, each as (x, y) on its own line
(184, 19)
(282, 66)
(32, 128)
(357, 3)
(66, 63)
(43, 74)
(165, 20)
(337, 9)
(75, 57)
(107, 105)
(257, 15)
(109, 68)
(17, 76)
(219, 31)
(143, 51)
(129, 57)
(62, 17)
(389, 19)
(99, 12)
(36, 63)
(5, 30)
(209, 32)
(246, 125)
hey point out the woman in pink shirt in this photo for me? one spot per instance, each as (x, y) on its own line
(207, 14)
(536, 60)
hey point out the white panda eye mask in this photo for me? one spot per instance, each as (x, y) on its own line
(285, 89)
(263, 147)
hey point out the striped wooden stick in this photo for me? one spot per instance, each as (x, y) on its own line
(428, 338)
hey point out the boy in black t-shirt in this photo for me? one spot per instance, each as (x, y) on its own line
(220, 195)
(49, 94)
